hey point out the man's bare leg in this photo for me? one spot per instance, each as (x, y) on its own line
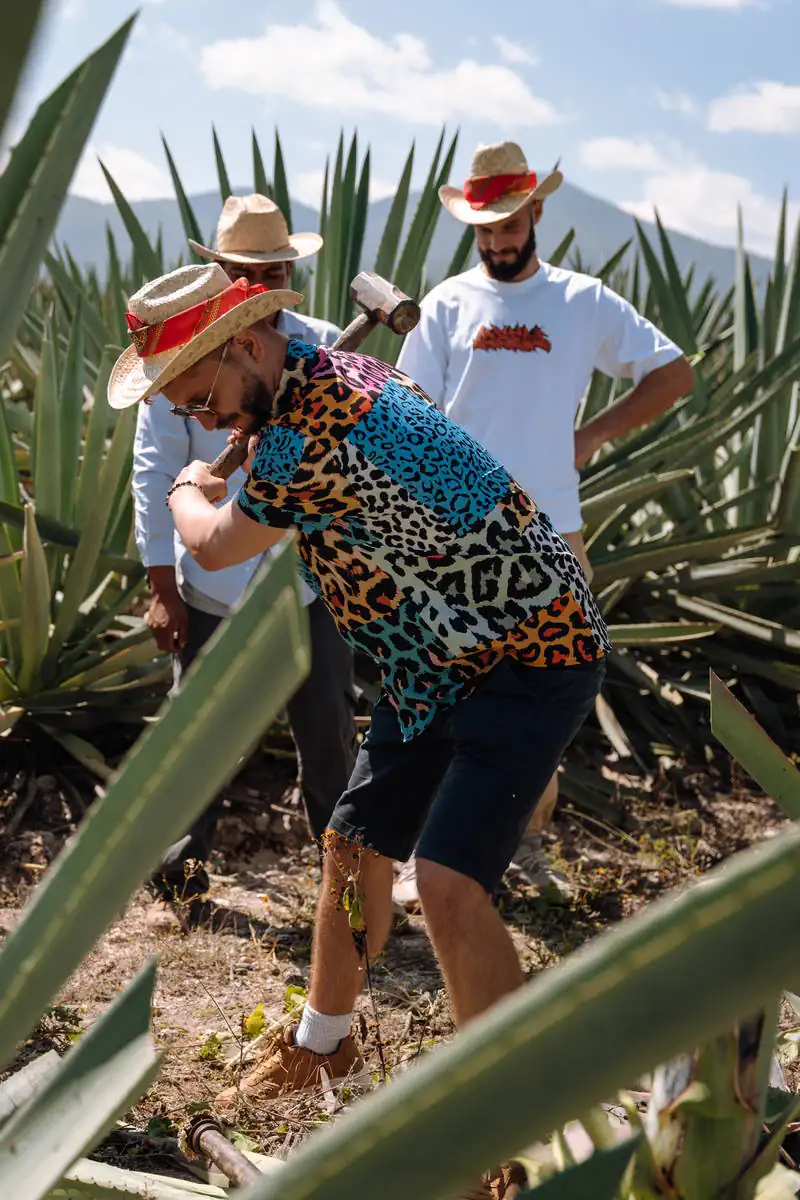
(471, 942)
(337, 973)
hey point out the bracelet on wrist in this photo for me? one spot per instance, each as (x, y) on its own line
(183, 483)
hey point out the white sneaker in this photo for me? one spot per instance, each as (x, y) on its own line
(532, 865)
(404, 892)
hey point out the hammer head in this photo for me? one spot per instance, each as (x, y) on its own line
(384, 302)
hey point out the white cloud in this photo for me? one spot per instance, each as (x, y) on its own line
(333, 63)
(678, 102)
(514, 52)
(715, 3)
(138, 178)
(620, 154)
(381, 189)
(307, 187)
(695, 199)
(768, 107)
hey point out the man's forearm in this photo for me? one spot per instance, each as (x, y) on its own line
(656, 393)
(163, 580)
(195, 520)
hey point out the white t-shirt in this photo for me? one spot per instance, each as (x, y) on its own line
(511, 361)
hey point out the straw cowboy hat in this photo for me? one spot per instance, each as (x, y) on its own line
(252, 230)
(500, 183)
(176, 320)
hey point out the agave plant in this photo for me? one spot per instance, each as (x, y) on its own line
(52, 609)
(694, 520)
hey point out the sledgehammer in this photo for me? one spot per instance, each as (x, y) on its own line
(383, 304)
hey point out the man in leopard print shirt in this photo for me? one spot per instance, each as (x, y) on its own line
(433, 561)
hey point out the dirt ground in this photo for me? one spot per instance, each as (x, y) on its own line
(656, 833)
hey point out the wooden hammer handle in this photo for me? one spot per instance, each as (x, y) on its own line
(235, 453)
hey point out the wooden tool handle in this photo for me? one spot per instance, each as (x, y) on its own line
(230, 459)
(352, 337)
(235, 453)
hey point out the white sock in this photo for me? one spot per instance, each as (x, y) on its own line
(321, 1033)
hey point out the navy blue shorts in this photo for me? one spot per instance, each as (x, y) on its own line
(462, 791)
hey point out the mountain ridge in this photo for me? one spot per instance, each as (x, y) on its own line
(600, 228)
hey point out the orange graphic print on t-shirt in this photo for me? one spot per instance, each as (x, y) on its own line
(512, 337)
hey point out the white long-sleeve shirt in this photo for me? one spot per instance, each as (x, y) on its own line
(510, 362)
(164, 445)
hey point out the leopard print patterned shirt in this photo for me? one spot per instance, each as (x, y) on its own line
(431, 559)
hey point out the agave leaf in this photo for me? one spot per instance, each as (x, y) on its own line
(358, 225)
(742, 737)
(95, 326)
(557, 256)
(81, 750)
(610, 265)
(85, 560)
(346, 220)
(785, 674)
(632, 978)
(746, 624)
(599, 1176)
(63, 535)
(148, 261)
(20, 29)
(34, 184)
(140, 649)
(100, 418)
(9, 718)
(191, 226)
(597, 507)
(90, 1180)
(280, 186)
(225, 189)
(628, 563)
(47, 452)
(462, 253)
(70, 407)
(789, 324)
(173, 771)
(658, 633)
(671, 316)
(321, 262)
(35, 584)
(392, 230)
(117, 326)
(334, 236)
(260, 181)
(95, 1084)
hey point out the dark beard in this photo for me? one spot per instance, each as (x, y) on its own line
(257, 403)
(507, 269)
(256, 408)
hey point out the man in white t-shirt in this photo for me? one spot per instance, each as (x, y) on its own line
(508, 348)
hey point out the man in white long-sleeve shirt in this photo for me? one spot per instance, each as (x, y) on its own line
(188, 603)
(507, 349)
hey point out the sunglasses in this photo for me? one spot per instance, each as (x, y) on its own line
(197, 406)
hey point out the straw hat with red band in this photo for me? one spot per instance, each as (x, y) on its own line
(178, 319)
(500, 184)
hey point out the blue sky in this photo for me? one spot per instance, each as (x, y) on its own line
(691, 105)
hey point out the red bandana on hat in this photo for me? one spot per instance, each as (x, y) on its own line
(482, 190)
(177, 331)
